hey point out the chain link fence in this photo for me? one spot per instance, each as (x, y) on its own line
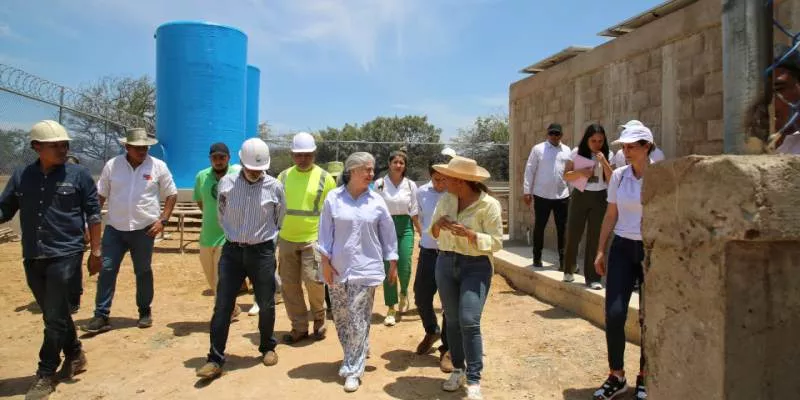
(94, 125)
(792, 51)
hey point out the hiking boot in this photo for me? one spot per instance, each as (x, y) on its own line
(270, 358)
(145, 321)
(427, 343)
(97, 325)
(456, 380)
(320, 330)
(612, 387)
(73, 366)
(210, 370)
(446, 362)
(41, 389)
(294, 336)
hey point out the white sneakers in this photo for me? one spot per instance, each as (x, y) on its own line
(595, 286)
(351, 384)
(254, 310)
(569, 277)
(474, 392)
(390, 318)
(456, 380)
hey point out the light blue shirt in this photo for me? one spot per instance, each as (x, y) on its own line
(250, 212)
(357, 235)
(427, 197)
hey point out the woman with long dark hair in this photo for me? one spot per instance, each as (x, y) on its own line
(588, 201)
(400, 194)
(469, 229)
(624, 270)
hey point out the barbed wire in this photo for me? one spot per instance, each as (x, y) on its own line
(23, 83)
(793, 48)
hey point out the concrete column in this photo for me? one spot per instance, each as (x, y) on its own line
(669, 99)
(722, 291)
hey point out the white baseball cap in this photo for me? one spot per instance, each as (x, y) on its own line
(633, 134)
(633, 122)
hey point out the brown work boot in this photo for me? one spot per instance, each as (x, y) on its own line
(42, 388)
(320, 330)
(445, 362)
(73, 366)
(294, 336)
(210, 370)
(270, 358)
(427, 343)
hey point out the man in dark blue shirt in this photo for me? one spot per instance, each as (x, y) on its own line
(55, 201)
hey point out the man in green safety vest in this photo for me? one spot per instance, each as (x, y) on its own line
(305, 185)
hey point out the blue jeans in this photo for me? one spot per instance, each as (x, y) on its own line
(257, 263)
(49, 280)
(624, 270)
(424, 290)
(115, 245)
(463, 285)
(76, 283)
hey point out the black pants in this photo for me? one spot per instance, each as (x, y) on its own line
(586, 211)
(256, 262)
(424, 290)
(49, 280)
(76, 283)
(541, 213)
(623, 272)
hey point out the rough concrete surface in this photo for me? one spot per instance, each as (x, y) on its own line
(722, 306)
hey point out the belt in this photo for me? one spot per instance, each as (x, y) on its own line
(240, 244)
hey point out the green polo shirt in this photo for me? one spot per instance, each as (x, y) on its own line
(205, 190)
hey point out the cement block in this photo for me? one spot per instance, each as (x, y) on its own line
(714, 130)
(691, 46)
(722, 308)
(708, 107)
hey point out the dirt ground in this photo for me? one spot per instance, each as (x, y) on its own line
(532, 350)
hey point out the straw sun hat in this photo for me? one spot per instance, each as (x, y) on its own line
(463, 168)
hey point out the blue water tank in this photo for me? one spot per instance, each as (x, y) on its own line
(253, 87)
(201, 93)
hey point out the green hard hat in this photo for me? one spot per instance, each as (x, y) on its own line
(335, 168)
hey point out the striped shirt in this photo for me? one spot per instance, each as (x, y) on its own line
(250, 212)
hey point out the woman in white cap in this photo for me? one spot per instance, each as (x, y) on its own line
(356, 237)
(624, 270)
(469, 228)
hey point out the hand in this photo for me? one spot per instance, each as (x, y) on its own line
(527, 199)
(461, 230)
(600, 264)
(95, 263)
(393, 272)
(328, 272)
(445, 222)
(600, 157)
(155, 229)
(586, 172)
(86, 238)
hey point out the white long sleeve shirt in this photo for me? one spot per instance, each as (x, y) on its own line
(544, 171)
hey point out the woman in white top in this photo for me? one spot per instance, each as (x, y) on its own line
(624, 270)
(587, 204)
(400, 194)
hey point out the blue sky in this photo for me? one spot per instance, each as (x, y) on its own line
(324, 62)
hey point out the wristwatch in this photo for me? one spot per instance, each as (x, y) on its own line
(164, 221)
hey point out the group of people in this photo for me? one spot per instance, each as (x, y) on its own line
(339, 240)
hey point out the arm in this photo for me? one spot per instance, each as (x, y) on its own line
(9, 203)
(325, 242)
(607, 169)
(91, 206)
(388, 239)
(492, 239)
(197, 192)
(570, 174)
(167, 188)
(104, 184)
(437, 215)
(609, 221)
(530, 173)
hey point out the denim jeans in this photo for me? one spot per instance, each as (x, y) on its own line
(76, 283)
(424, 290)
(463, 286)
(624, 270)
(256, 262)
(49, 280)
(115, 245)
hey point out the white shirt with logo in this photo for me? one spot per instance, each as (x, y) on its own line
(133, 195)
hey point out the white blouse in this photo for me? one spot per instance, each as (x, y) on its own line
(401, 199)
(625, 191)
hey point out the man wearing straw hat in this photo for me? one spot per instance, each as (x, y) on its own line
(55, 200)
(131, 184)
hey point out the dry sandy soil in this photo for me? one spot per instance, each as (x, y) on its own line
(533, 350)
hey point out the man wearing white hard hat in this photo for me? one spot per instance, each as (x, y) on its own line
(132, 185)
(251, 206)
(306, 185)
(618, 160)
(55, 201)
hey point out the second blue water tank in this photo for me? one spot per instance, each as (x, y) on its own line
(253, 87)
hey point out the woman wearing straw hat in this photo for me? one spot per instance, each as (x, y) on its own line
(469, 229)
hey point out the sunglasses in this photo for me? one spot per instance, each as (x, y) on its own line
(554, 133)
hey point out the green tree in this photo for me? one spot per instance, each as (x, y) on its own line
(15, 150)
(486, 141)
(412, 133)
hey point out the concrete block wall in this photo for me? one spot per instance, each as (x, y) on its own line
(667, 74)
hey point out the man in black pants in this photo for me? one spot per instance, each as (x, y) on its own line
(544, 185)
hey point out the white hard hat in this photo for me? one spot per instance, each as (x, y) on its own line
(303, 142)
(447, 151)
(49, 131)
(254, 154)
